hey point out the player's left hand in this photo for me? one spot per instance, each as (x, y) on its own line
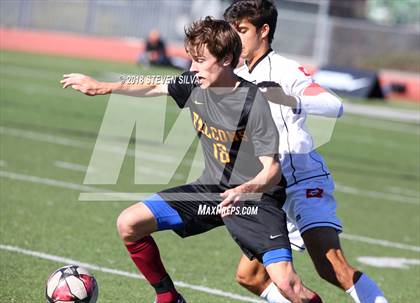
(231, 198)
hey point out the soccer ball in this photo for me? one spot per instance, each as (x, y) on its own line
(71, 284)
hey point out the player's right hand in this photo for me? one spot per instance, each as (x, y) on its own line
(83, 84)
(275, 93)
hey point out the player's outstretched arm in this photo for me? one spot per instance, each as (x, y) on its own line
(268, 177)
(317, 100)
(313, 99)
(275, 93)
(91, 87)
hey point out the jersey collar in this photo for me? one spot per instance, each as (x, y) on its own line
(259, 60)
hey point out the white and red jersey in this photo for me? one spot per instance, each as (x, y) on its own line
(300, 162)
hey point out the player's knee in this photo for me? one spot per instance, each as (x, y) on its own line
(126, 223)
(123, 226)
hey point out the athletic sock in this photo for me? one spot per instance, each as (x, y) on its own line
(272, 295)
(365, 290)
(145, 254)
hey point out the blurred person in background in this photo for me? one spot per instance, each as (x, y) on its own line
(155, 53)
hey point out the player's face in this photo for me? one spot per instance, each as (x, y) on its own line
(251, 38)
(207, 68)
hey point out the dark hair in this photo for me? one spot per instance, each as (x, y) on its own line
(217, 35)
(257, 12)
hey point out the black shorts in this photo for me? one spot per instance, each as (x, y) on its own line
(255, 233)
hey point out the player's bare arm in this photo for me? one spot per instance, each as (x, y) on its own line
(91, 87)
(269, 176)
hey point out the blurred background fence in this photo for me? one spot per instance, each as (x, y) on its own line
(362, 33)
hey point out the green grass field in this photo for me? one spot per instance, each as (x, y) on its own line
(47, 138)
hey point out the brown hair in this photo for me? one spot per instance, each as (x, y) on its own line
(257, 12)
(217, 35)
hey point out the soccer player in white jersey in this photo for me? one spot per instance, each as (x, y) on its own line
(310, 205)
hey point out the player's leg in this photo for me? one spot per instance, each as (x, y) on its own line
(285, 278)
(135, 224)
(253, 276)
(323, 246)
(263, 236)
(313, 209)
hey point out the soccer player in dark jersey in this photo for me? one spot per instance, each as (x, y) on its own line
(240, 145)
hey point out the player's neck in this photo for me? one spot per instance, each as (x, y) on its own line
(227, 82)
(257, 55)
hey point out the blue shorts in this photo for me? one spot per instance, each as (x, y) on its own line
(166, 216)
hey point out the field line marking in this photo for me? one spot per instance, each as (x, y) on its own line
(395, 195)
(46, 181)
(45, 256)
(59, 140)
(143, 170)
(373, 141)
(393, 126)
(377, 195)
(380, 242)
(107, 194)
(389, 114)
(388, 262)
(338, 187)
(74, 186)
(70, 166)
(53, 139)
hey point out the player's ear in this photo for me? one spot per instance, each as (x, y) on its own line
(264, 30)
(227, 60)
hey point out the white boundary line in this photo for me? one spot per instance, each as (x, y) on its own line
(389, 114)
(383, 125)
(59, 140)
(41, 255)
(70, 166)
(377, 195)
(46, 181)
(99, 194)
(53, 139)
(390, 196)
(142, 170)
(74, 186)
(379, 242)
